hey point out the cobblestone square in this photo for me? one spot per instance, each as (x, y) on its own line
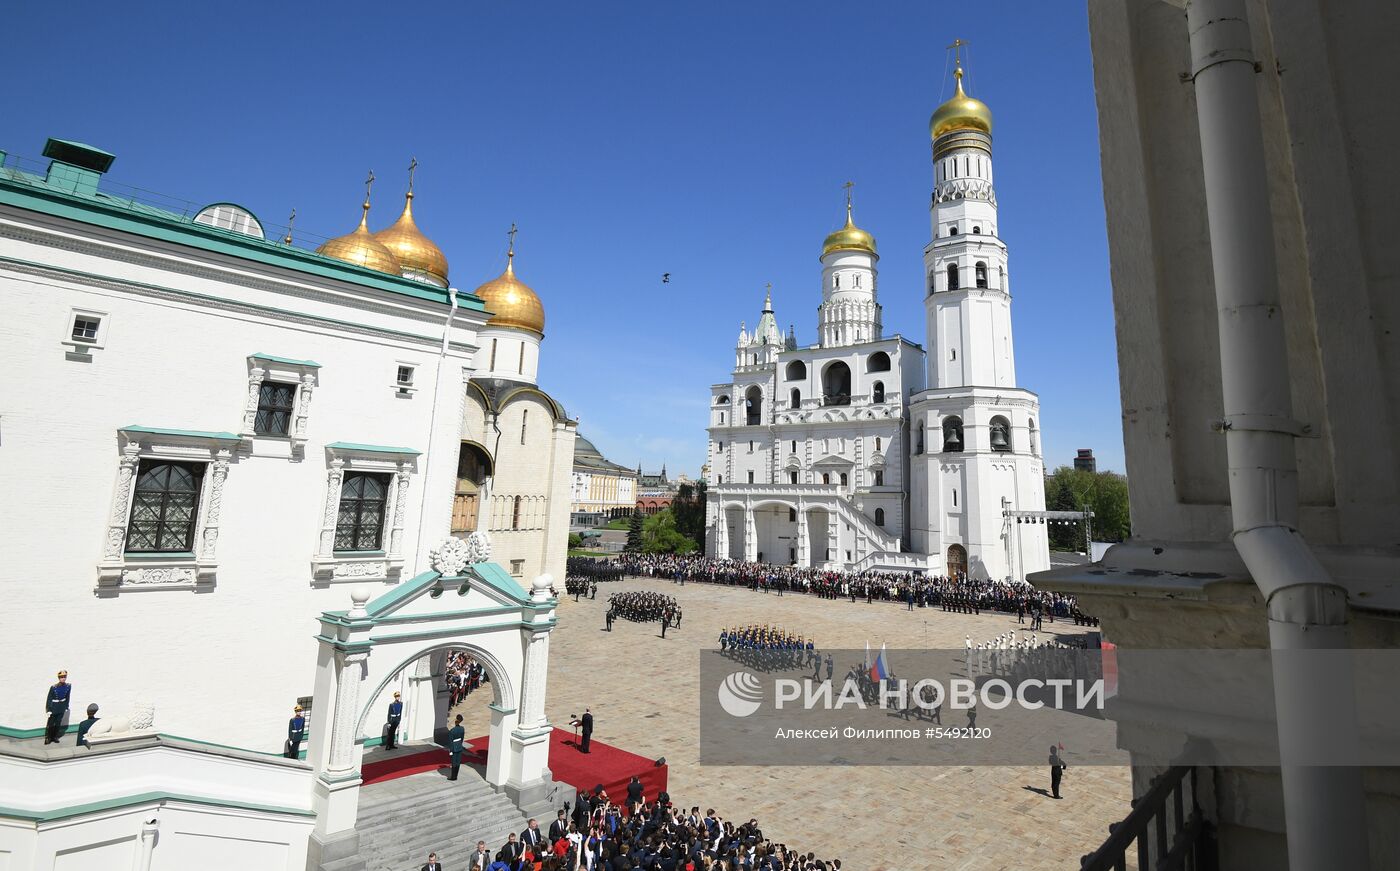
(644, 693)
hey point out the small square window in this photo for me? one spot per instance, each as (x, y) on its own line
(275, 402)
(517, 567)
(405, 376)
(85, 329)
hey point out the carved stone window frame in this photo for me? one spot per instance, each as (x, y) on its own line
(120, 571)
(305, 374)
(329, 566)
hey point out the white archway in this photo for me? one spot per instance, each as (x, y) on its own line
(475, 606)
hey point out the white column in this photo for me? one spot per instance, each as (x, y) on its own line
(804, 545)
(351, 671)
(750, 535)
(334, 477)
(529, 740)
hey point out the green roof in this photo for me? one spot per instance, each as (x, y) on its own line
(311, 364)
(185, 433)
(86, 204)
(371, 449)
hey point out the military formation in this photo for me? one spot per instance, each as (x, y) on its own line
(644, 606)
(768, 648)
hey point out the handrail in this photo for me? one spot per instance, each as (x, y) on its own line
(1190, 846)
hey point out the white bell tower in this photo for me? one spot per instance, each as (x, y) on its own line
(974, 437)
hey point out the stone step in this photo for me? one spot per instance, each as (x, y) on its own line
(401, 821)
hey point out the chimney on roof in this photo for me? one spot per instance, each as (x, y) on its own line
(74, 166)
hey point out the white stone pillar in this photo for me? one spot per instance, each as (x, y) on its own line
(421, 700)
(750, 535)
(804, 545)
(351, 668)
(335, 475)
(529, 740)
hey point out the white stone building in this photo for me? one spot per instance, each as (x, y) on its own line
(208, 439)
(866, 452)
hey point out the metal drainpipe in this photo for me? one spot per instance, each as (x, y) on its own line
(432, 422)
(1324, 807)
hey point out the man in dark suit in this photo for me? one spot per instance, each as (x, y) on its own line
(433, 863)
(559, 828)
(296, 731)
(587, 730)
(513, 849)
(86, 726)
(456, 737)
(1057, 770)
(634, 794)
(532, 837)
(56, 706)
(391, 728)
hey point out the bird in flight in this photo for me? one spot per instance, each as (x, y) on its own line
(665, 278)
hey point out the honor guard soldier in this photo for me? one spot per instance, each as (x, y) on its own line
(56, 705)
(296, 731)
(391, 728)
(85, 726)
(455, 739)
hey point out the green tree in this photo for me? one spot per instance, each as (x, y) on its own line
(634, 534)
(575, 540)
(660, 535)
(1105, 493)
(689, 510)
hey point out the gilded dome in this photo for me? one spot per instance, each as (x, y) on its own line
(849, 238)
(960, 113)
(514, 303)
(362, 249)
(416, 253)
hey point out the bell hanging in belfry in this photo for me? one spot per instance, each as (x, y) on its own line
(999, 438)
(951, 442)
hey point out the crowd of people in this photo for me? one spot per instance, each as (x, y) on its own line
(465, 675)
(593, 568)
(913, 589)
(644, 606)
(634, 832)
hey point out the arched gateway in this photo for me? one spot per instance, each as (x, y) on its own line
(464, 603)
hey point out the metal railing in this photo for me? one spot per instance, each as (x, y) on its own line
(1167, 836)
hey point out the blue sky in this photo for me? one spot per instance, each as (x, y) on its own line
(707, 140)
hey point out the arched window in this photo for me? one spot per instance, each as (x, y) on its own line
(952, 435)
(1000, 434)
(878, 362)
(919, 439)
(792, 515)
(857, 279)
(792, 477)
(980, 273)
(844, 479)
(976, 229)
(836, 384)
(879, 477)
(719, 479)
(836, 280)
(877, 393)
(878, 442)
(795, 398)
(1035, 442)
(721, 418)
(524, 419)
(796, 370)
(753, 404)
(826, 477)
(932, 284)
(880, 517)
(722, 400)
(952, 276)
(515, 513)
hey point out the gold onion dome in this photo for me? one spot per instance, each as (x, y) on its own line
(960, 113)
(514, 303)
(849, 238)
(362, 249)
(415, 252)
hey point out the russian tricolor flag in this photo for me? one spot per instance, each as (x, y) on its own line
(880, 669)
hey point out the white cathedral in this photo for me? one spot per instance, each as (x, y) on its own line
(865, 452)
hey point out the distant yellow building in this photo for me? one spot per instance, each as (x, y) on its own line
(602, 490)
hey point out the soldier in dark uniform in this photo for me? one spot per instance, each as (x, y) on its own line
(665, 622)
(391, 728)
(296, 731)
(56, 706)
(85, 726)
(587, 730)
(1057, 770)
(456, 738)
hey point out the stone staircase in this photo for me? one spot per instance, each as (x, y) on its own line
(402, 820)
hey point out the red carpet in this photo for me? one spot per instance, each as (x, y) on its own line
(418, 759)
(603, 763)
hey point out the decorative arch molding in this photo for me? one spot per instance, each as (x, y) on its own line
(505, 693)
